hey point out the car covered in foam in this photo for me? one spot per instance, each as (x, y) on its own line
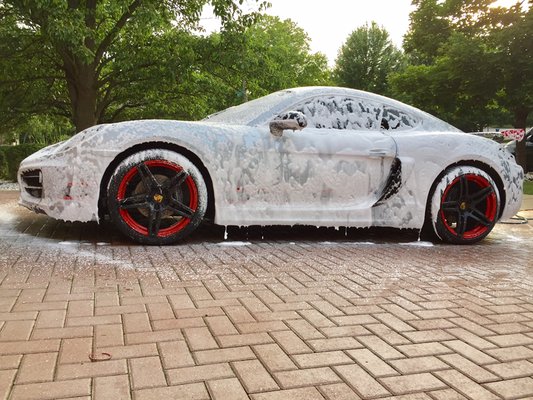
(321, 156)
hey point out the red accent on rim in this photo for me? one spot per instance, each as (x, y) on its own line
(491, 204)
(126, 216)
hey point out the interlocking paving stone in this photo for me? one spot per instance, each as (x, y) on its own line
(199, 373)
(52, 390)
(412, 383)
(359, 380)
(274, 358)
(270, 319)
(309, 393)
(447, 394)
(37, 368)
(193, 391)
(418, 364)
(424, 349)
(306, 377)
(223, 355)
(254, 376)
(338, 391)
(114, 387)
(511, 353)
(467, 367)
(227, 389)
(513, 388)
(6, 380)
(10, 362)
(513, 369)
(465, 385)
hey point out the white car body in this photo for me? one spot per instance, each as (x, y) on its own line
(317, 176)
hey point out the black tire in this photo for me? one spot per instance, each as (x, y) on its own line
(464, 205)
(156, 197)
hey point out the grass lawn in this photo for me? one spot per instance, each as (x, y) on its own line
(528, 187)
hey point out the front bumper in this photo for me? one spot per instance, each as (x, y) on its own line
(63, 185)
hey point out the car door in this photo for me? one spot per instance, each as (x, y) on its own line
(335, 169)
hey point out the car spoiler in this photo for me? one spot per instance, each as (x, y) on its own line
(511, 134)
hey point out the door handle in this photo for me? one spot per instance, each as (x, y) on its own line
(377, 152)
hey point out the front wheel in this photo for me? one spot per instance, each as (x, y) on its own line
(156, 197)
(464, 205)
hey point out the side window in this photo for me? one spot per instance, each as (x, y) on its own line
(340, 112)
(394, 119)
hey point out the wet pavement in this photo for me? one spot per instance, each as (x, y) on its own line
(269, 313)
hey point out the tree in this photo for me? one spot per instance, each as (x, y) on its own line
(75, 57)
(366, 59)
(515, 60)
(278, 56)
(429, 29)
(473, 63)
(451, 87)
(270, 55)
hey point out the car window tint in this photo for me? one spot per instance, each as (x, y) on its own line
(339, 112)
(394, 119)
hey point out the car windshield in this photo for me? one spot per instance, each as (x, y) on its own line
(252, 112)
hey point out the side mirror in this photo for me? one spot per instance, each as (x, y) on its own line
(294, 120)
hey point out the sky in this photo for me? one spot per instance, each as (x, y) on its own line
(329, 22)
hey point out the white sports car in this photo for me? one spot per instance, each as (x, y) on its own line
(321, 156)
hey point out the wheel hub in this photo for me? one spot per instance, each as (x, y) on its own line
(463, 206)
(158, 198)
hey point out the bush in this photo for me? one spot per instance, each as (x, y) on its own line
(528, 187)
(13, 155)
(3, 165)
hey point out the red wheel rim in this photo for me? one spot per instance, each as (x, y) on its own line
(475, 212)
(132, 174)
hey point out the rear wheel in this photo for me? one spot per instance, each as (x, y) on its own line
(465, 205)
(156, 197)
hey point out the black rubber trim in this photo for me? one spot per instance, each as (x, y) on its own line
(394, 182)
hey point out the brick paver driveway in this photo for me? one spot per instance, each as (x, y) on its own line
(84, 314)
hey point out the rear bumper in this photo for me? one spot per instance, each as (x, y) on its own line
(513, 181)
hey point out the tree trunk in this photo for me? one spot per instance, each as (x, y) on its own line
(83, 94)
(520, 119)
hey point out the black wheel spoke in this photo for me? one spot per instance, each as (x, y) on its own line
(481, 195)
(174, 183)
(461, 224)
(147, 177)
(480, 217)
(450, 206)
(139, 201)
(181, 209)
(463, 188)
(154, 222)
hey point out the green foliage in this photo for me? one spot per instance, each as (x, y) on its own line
(3, 165)
(278, 55)
(270, 55)
(451, 87)
(187, 76)
(514, 59)
(43, 130)
(366, 59)
(96, 62)
(80, 59)
(429, 29)
(471, 63)
(528, 187)
(14, 155)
